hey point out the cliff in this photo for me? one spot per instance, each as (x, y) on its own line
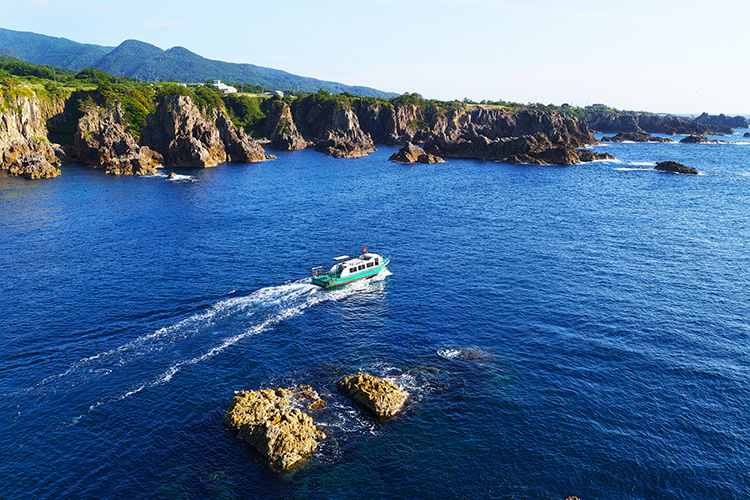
(24, 147)
(102, 141)
(722, 120)
(333, 127)
(281, 129)
(534, 137)
(653, 124)
(186, 137)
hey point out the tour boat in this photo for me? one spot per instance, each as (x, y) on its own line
(347, 270)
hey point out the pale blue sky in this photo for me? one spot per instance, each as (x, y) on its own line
(666, 56)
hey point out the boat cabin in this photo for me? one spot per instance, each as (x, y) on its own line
(346, 266)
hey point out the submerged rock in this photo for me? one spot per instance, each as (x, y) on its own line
(380, 396)
(414, 154)
(676, 168)
(746, 134)
(270, 420)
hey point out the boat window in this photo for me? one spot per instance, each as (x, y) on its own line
(376, 262)
(370, 264)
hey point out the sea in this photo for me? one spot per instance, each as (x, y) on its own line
(562, 331)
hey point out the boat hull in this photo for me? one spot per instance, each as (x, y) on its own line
(326, 281)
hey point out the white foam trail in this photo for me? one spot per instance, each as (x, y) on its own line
(282, 302)
(642, 163)
(633, 169)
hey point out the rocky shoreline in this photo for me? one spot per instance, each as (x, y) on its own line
(180, 132)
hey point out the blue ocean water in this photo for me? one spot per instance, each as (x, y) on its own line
(562, 331)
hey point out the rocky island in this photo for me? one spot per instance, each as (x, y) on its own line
(675, 168)
(379, 396)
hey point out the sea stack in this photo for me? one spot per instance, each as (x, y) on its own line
(675, 168)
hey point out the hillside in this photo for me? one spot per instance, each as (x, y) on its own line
(136, 59)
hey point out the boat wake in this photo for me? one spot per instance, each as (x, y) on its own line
(156, 357)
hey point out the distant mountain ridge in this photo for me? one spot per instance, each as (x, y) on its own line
(136, 59)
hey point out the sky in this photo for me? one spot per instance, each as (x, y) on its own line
(660, 55)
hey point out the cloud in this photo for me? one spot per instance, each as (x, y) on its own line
(161, 24)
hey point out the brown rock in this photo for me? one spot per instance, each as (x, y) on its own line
(412, 154)
(281, 129)
(380, 396)
(33, 166)
(270, 421)
(102, 140)
(698, 139)
(186, 137)
(675, 168)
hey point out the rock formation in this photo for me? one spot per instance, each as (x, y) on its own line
(635, 137)
(281, 129)
(332, 128)
(33, 166)
(272, 422)
(185, 137)
(746, 134)
(698, 139)
(722, 120)
(101, 140)
(381, 397)
(24, 148)
(674, 167)
(532, 137)
(653, 124)
(414, 154)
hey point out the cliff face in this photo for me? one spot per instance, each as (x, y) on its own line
(281, 129)
(653, 124)
(722, 120)
(334, 130)
(391, 124)
(534, 137)
(101, 140)
(24, 148)
(185, 137)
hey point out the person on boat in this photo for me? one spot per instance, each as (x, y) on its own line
(364, 250)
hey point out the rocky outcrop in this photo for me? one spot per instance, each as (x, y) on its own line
(410, 154)
(281, 129)
(698, 139)
(675, 167)
(379, 396)
(24, 147)
(653, 124)
(722, 120)
(333, 128)
(101, 140)
(186, 137)
(273, 423)
(634, 137)
(532, 137)
(33, 166)
(746, 134)
(389, 124)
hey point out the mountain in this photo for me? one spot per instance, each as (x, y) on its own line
(42, 49)
(136, 59)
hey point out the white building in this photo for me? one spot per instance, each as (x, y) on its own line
(227, 89)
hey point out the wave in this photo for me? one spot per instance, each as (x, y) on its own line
(633, 169)
(155, 358)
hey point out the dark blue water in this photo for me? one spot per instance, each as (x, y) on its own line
(563, 331)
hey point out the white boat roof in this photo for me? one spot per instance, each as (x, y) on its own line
(341, 257)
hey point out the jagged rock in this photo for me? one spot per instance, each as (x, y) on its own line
(270, 420)
(23, 132)
(33, 166)
(281, 129)
(380, 396)
(722, 120)
(586, 155)
(674, 167)
(332, 128)
(185, 137)
(651, 123)
(101, 140)
(413, 154)
(697, 139)
(635, 137)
